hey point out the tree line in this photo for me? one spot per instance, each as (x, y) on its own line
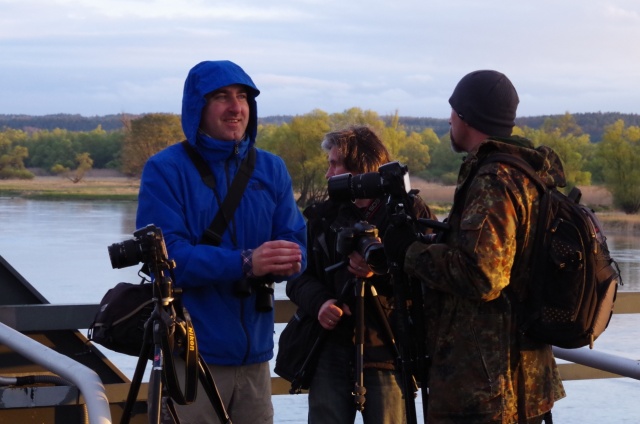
(612, 161)
(591, 123)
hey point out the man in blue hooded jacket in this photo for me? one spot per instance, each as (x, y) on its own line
(266, 236)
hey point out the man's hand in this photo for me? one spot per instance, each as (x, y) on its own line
(330, 314)
(358, 266)
(396, 241)
(277, 257)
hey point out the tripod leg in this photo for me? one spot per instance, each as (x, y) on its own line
(155, 386)
(134, 388)
(388, 331)
(409, 386)
(405, 362)
(359, 390)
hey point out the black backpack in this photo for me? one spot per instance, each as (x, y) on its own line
(575, 280)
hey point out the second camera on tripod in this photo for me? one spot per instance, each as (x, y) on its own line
(363, 238)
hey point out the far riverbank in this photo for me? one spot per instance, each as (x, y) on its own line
(96, 186)
(109, 186)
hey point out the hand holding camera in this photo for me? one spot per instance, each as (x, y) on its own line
(363, 239)
(358, 266)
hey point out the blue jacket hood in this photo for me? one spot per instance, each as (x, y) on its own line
(206, 77)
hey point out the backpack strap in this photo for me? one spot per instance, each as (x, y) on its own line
(523, 166)
(519, 163)
(213, 234)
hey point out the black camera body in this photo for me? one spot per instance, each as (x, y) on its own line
(391, 179)
(147, 246)
(263, 288)
(363, 238)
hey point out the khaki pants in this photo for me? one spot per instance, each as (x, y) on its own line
(245, 392)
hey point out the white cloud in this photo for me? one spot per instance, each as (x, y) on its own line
(97, 56)
(623, 13)
(184, 9)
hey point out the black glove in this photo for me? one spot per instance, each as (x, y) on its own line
(396, 241)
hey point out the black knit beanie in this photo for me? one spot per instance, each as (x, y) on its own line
(487, 101)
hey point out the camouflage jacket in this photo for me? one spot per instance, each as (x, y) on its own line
(479, 362)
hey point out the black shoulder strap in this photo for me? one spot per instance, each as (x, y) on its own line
(213, 234)
(201, 165)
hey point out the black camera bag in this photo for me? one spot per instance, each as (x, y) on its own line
(298, 350)
(119, 323)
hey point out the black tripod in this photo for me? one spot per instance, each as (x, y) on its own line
(359, 391)
(358, 286)
(167, 334)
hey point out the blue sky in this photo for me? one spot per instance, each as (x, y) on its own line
(98, 57)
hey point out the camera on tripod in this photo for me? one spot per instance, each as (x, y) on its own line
(363, 238)
(160, 334)
(391, 179)
(147, 246)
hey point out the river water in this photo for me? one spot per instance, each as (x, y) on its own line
(60, 247)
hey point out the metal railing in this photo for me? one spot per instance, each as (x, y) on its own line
(86, 380)
(99, 398)
(586, 363)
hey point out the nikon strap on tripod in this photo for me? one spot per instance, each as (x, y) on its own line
(213, 234)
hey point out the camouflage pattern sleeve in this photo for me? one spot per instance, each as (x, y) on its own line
(476, 260)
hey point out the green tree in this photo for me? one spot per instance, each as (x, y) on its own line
(12, 156)
(145, 137)
(84, 164)
(356, 116)
(574, 151)
(564, 124)
(620, 155)
(412, 152)
(103, 147)
(59, 169)
(48, 148)
(409, 149)
(444, 164)
(298, 144)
